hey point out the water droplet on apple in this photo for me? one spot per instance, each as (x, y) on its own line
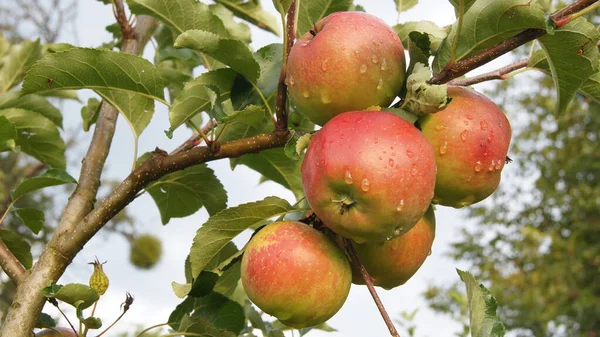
(478, 166)
(439, 127)
(400, 206)
(380, 157)
(306, 94)
(492, 165)
(464, 135)
(466, 122)
(383, 64)
(391, 162)
(363, 68)
(389, 238)
(375, 59)
(376, 140)
(469, 116)
(444, 148)
(324, 65)
(398, 231)
(409, 153)
(484, 125)
(325, 98)
(365, 185)
(491, 136)
(499, 164)
(429, 253)
(380, 84)
(413, 170)
(348, 177)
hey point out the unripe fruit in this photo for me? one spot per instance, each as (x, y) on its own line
(392, 263)
(146, 251)
(295, 273)
(57, 332)
(369, 175)
(98, 280)
(471, 137)
(353, 61)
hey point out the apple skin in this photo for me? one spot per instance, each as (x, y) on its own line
(295, 273)
(392, 263)
(369, 175)
(471, 137)
(353, 62)
(63, 332)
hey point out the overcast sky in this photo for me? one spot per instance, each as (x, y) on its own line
(154, 299)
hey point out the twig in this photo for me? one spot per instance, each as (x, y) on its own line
(10, 264)
(197, 138)
(369, 282)
(125, 305)
(498, 74)
(54, 302)
(281, 98)
(462, 67)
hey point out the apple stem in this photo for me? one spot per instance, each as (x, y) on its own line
(281, 98)
(369, 282)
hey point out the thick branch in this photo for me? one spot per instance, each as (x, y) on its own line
(9, 263)
(498, 74)
(281, 98)
(462, 67)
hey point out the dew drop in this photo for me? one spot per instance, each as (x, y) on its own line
(469, 116)
(492, 165)
(409, 153)
(484, 125)
(380, 84)
(383, 64)
(398, 231)
(429, 253)
(365, 185)
(444, 148)
(391, 162)
(324, 65)
(380, 157)
(435, 200)
(498, 165)
(375, 59)
(363, 68)
(466, 122)
(376, 140)
(348, 177)
(325, 98)
(306, 94)
(439, 127)
(389, 238)
(463, 135)
(413, 170)
(478, 166)
(491, 136)
(400, 206)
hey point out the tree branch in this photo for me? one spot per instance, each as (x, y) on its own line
(498, 74)
(281, 98)
(462, 67)
(9, 263)
(196, 138)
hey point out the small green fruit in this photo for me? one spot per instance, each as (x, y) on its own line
(146, 251)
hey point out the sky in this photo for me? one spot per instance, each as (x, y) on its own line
(154, 299)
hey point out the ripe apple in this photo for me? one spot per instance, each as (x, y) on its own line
(57, 332)
(353, 61)
(295, 273)
(471, 137)
(369, 175)
(392, 263)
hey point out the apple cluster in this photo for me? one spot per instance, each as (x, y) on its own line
(370, 176)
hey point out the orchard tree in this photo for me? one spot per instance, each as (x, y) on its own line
(387, 149)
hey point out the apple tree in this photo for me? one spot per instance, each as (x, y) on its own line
(379, 124)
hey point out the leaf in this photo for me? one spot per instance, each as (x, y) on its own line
(37, 136)
(311, 11)
(251, 11)
(487, 23)
(221, 312)
(181, 15)
(181, 311)
(419, 49)
(89, 113)
(35, 103)
(32, 218)
(322, 327)
(77, 295)
(482, 308)
(202, 326)
(45, 321)
(97, 69)
(181, 290)
(184, 192)
(203, 284)
(421, 97)
(436, 34)
(229, 280)
(275, 165)
(137, 109)
(294, 147)
(14, 64)
(17, 246)
(572, 55)
(195, 98)
(52, 177)
(8, 135)
(591, 87)
(233, 53)
(467, 4)
(404, 5)
(282, 6)
(222, 227)
(237, 30)
(92, 323)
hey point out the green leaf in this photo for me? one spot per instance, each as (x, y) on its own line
(89, 113)
(421, 97)
(203, 284)
(37, 136)
(181, 312)
(251, 11)
(275, 165)
(32, 218)
(181, 290)
(52, 177)
(282, 6)
(222, 227)
(404, 5)
(8, 135)
(17, 246)
(294, 147)
(233, 53)
(77, 295)
(591, 87)
(311, 11)
(221, 312)
(229, 280)
(482, 308)
(202, 326)
(322, 327)
(45, 321)
(487, 23)
(572, 55)
(195, 98)
(466, 3)
(137, 109)
(419, 49)
(181, 15)
(184, 192)
(407, 116)
(14, 64)
(436, 34)
(92, 323)
(33, 103)
(97, 69)
(237, 30)
(252, 115)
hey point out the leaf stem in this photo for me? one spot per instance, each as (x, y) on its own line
(152, 327)
(461, 14)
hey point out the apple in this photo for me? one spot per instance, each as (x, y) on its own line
(392, 263)
(369, 175)
(57, 332)
(295, 273)
(471, 137)
(353, 61)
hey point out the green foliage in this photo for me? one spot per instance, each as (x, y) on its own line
(52, 177)
(482, 308)
(32, 218)
(17, 246)
(311, 11)
(78, 295)
(251, 11)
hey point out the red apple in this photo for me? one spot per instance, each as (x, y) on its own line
(369, 175)
(471, 137)
(57, 332)
(392, 263)
(295, 273)
(353, 61)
